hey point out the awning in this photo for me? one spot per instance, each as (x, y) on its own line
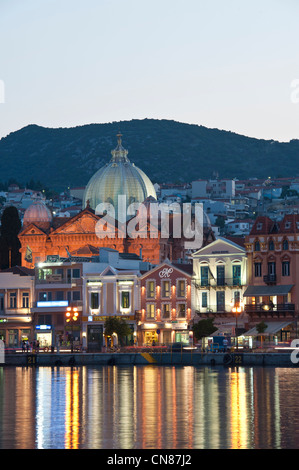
(272, 329)
(259, 291)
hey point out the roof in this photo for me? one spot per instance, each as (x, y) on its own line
(272, 328)
(21, 270)
(257, 291)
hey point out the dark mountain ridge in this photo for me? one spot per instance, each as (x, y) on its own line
(167, 151)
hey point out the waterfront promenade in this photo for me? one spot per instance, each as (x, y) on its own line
(277, 359)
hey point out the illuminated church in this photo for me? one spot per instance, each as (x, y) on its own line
(43, 235)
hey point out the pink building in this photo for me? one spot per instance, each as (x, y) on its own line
(165, 304)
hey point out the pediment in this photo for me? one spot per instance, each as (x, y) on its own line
(81, 223)
(31, 230)
(220, 246)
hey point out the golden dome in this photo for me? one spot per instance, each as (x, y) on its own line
(118, 177)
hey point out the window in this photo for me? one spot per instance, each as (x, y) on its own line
(181, 292)
(285, 245)
(271, 245)
(150, 311)
(271, 268)
(59, 295)
(166, 310)
(73, 295)
(257, 269)
(220, 275)
(44, 296)
(13, 300)
(2, 302)
(76, 295)
(285, 268)
(125, 299)
(166, 289)
(204, 300)
(73, 274)
(181, 311)
(25, 300)
(150, 290)
(257, 246)
(237, 275)
(94, 300)
(204, 275)
(220, 300)
(237, 297)
(44, 320)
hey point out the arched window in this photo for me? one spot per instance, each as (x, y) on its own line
(285, 245)
(257, 246)
(271, 245)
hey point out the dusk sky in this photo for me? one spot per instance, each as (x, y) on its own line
(229, 64)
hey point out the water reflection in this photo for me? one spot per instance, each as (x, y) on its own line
(148, 407)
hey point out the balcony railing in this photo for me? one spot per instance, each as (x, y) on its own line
(57, 279)
(270, 308)
(220, 282)
(270, 279)
(215, 310)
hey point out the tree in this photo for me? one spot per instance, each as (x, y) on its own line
(260, 328)
(204, 328)
(118, 326)
(9, 241)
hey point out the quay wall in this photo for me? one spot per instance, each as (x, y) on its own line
(175, 358)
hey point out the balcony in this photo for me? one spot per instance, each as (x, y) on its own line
(270, 310)
(54, 280)
(214, 310)
(220, 282)
(270, 279)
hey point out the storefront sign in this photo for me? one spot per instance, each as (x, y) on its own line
(43, 327)
(165, 272)
(104, 318)
(52, 303)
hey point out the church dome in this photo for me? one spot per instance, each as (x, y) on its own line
(118, 177)
(37, 214)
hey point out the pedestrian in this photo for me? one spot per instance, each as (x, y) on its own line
(37, 346)
(23, 345)
(27, 346)
(225, 343)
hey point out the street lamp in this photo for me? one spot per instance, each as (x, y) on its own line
(72, 317)
(237, 308)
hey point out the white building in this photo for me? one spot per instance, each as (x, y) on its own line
(219, 280)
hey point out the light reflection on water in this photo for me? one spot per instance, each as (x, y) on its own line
(148, 407)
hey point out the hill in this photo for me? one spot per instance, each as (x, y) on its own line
(167, 151)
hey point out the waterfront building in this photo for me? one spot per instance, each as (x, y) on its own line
(166, 304)
(98, 286)
(219, 282)
(273, 290)
(16, 297)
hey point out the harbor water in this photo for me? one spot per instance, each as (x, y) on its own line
(149, 407)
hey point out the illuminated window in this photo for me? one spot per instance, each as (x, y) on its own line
(181, 292)
(125, 299)
(150, 311)
(166, 289)
(166, 310)
(150, 291)
(181, 310)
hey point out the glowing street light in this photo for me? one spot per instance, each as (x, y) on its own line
(71, 317)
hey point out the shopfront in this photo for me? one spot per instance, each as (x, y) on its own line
(43, 334)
